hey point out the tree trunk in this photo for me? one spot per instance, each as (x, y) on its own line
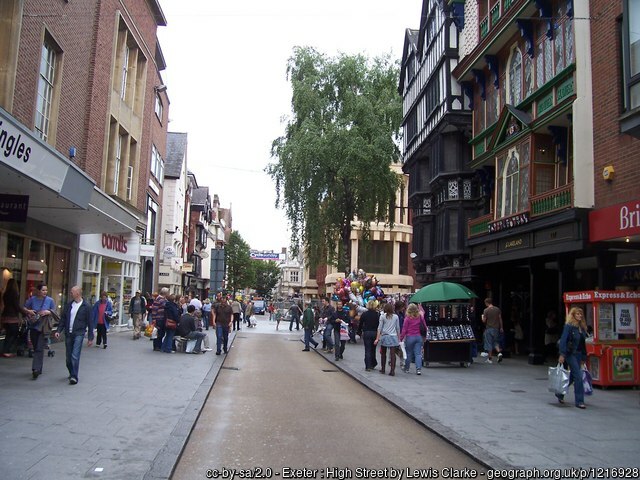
(344, 264)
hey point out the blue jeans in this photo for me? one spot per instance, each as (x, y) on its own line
(197, 336)
(328, 332)
(308, 338)
(167, 341)
(73, 344)
(576, 378)
(491, 339)
(222, 337)
(413, 346)
(368, 337)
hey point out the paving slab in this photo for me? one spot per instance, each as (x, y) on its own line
(129, 416)
(503, 415)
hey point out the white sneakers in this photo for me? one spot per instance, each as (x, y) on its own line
(488, 360)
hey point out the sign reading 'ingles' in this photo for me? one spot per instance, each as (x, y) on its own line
(115, 243)
(13, 146)
(618, 221)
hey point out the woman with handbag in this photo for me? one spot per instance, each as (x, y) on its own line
(10, 318)
(387, 337)
(573, 351)
(413, 338)
(44, 307)
(172, 314)
(100, 317)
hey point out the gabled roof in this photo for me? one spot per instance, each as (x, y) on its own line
(510, 116)
(410, 48)
(176, 154)
(199, 196)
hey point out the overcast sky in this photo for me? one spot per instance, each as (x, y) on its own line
(226, 66)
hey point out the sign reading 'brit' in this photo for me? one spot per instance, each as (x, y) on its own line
(618, 221)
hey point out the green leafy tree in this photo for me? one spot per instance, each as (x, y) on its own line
(334, 157)
(237, 255)
(267, 276)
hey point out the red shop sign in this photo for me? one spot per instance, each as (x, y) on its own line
(617, 221)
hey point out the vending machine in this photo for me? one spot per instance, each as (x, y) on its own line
(613, 349)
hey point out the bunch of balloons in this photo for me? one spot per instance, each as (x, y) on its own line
(357, 287)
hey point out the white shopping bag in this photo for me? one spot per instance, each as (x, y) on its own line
(191, 344)
(403, 350)
(559, 379)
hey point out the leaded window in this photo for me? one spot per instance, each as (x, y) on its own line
(512, 190)
(453, 189)
(515, 77)
(528, 76)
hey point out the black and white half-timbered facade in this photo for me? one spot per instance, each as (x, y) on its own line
(436, 152)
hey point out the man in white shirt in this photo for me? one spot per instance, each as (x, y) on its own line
(74, 322)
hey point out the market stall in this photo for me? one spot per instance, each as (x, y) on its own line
(613, 352)
(447, 311)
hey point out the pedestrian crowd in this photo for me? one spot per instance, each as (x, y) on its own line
(383, 328)
(177, 323)
(172, 323)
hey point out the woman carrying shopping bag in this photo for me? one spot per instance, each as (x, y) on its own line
(573, 350)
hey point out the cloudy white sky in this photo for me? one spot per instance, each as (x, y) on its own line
(226, 65)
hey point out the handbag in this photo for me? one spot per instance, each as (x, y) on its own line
(559, 380)
(170, 324)
(148, 331)
(35, 322)
(587, 382)
(423, 328)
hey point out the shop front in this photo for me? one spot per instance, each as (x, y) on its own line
(46, 203)
(31, 260)
(110, 262)
(613, 350)
(615, 230)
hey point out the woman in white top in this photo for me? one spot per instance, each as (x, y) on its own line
(388, 333)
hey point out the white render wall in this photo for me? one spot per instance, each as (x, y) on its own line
(469, 35)
(583, 156)
(173, 212)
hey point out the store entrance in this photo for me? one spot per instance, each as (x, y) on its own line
(112, 284)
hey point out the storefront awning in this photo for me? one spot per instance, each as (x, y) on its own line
(60, 193)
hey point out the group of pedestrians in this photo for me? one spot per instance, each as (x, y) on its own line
(386, 329)
(187, 318)
(37, 320)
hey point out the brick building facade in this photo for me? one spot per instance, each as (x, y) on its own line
(79, 84)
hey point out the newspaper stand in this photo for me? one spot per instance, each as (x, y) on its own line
(613, 352)
(449, 333)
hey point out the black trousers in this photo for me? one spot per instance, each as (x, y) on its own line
(11, 337)
(37, 340)
(101, 336)
(236, 321)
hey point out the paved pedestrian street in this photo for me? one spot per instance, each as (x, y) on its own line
(133, 410)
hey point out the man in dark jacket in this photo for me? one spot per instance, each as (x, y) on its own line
(75, 321)
(308, 322)
(328, 316)
(137, 310)
(187, 329)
